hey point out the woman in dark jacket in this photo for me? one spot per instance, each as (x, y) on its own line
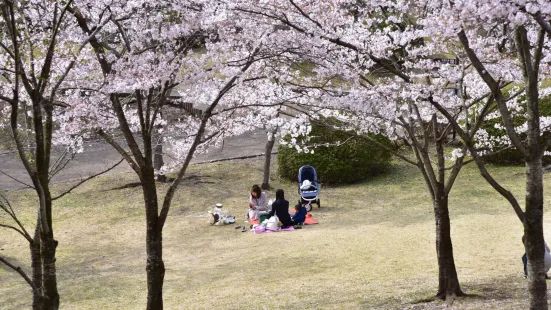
(280, 207)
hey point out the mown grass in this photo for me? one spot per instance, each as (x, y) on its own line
(374, 247)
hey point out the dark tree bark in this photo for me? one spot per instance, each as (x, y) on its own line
(533, 230)
(155, 268)
(36, 267)
(267, 161)
(448, 283)
(158, 161)
(49, 278)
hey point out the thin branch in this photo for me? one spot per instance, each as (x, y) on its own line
(119, 149)
(87, 179)
(17, 230)
(72, 63)
(305, 15)
(20, 272)
(16, 180)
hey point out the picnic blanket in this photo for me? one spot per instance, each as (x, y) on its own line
(310, 220)
(290, 228)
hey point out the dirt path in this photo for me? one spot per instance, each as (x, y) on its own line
(98, 156)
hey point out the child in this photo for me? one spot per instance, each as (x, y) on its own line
(300, 215)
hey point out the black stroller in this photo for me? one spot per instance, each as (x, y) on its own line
(308, 187)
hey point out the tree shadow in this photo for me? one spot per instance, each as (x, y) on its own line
(192, 179)
(507, 289)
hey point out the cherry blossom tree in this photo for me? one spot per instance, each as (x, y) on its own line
(377, 67)
(508, 41)
(144, 54)
(34, 62)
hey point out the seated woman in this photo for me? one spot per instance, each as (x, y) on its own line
(280, 208)
(257, 202)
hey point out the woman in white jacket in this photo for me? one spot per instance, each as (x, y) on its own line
(257, 202)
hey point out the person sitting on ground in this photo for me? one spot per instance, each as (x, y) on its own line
(257, 202)
(546, 259)
(300, 214)
(280, 208)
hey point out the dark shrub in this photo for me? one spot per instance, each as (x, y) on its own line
(353, 161)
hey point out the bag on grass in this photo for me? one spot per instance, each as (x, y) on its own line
(272, 223)
(259, 229)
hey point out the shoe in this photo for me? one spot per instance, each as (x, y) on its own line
(298, 227)
(244, 229)
(238, 227)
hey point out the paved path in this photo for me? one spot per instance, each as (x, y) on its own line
(98, 156)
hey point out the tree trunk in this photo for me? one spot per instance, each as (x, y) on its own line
(533, 230)
(268, 154)
(48, 247)
(448, 283)
(154, 245)
(36, 267)
(49, 279)
(158, 161)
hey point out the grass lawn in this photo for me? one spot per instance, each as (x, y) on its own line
(374, 247)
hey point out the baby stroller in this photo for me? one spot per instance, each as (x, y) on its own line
(308, 187)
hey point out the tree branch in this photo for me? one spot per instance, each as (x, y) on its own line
(496, 91)
(481, 167)
(20, 272)
(119, 149)
(82, 181)
(16, 180)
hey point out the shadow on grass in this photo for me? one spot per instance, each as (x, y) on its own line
(502, 292)
(25, 265)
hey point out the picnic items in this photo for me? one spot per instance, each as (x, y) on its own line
(219, 216)
(263, 215)
(308, 187)
(272, 223)
(310, 220)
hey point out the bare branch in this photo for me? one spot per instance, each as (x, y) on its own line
(20, 272)
(119, 149)
(82, 181)
(16, 180)
(17, 230)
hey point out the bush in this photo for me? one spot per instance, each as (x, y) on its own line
(512, 156)
(353, 161)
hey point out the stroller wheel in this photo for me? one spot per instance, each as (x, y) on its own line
(318, 202)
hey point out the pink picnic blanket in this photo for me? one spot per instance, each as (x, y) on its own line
(310, 220)
(290, 228)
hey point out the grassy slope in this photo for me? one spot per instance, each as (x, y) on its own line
(374, 247)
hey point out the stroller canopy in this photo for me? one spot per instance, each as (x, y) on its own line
(307, 173)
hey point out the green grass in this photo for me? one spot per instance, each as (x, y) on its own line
(374, 247)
